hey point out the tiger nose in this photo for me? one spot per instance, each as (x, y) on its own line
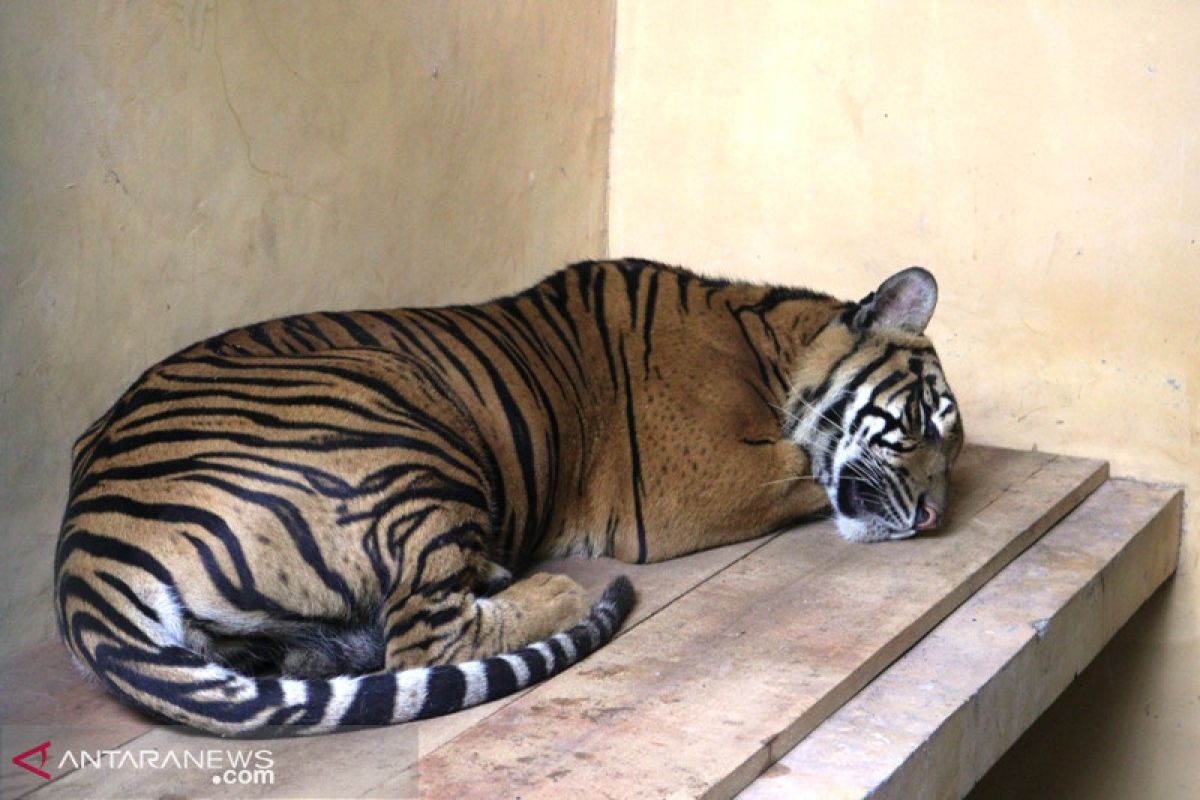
(927, 516)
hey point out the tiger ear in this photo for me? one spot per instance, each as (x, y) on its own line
(903, 302)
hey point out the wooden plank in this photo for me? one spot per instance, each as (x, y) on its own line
(937, 719)
(702, 696)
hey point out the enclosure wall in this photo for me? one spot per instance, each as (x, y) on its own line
(1043, 160)
(169, 170)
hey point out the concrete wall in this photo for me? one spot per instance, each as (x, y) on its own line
(1043, 159)
(171, 170)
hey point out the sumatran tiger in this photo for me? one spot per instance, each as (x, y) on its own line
(314, 522)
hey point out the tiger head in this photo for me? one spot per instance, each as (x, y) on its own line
(872, 410)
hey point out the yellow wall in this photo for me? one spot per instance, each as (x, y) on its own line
(171, 170)
(1042, 159)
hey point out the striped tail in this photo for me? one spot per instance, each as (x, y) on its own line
(181, 686)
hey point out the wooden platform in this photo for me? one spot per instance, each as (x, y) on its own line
(935, 721)
(730, 659)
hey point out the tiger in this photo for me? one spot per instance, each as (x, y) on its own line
(316, 522)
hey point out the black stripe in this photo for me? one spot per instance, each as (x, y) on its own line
(258, 334)
(583, 636)
(435, 618)
(122, 587)
(444, 691)
(517, 424)
(535, 662)
(207, 380)
(318, 693)
(501, 680)
(683, 281)
(305, 325)
(112, 549)
(259, 417)
(560, 654)
(634, 457)
(75, 587)
(759, 362)
(560, 298)
(534, 342)
(651, 301)
(119, 663)
(602, 327)
(449, 355)
(244, 596)
(467, 536)
(373, 703)
(356, 331)
(633, 276)
(571, 350)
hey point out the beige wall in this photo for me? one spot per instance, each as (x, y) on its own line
(1043, 159)
(170, 170)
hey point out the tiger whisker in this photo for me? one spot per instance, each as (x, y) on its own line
(802, 478)
(839, 427)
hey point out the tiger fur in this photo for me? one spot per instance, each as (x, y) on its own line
(313, 522)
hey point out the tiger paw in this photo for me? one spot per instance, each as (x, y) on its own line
(546, 604)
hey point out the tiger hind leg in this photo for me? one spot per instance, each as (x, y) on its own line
(324, 651)
(506, 620)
